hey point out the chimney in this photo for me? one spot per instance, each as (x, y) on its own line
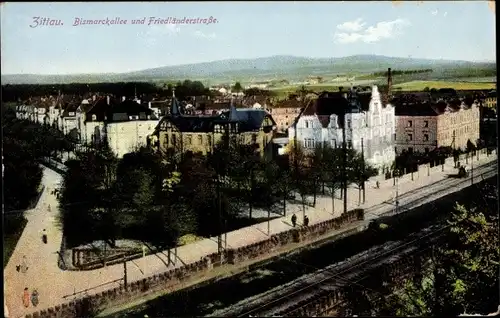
(149, 105)
(123, 98)
(389, 81)
(107, 99)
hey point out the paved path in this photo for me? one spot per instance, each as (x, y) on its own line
(54, 284)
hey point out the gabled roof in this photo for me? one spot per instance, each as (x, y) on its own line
(418, 109)
(288, 103)
(123, 110)
(248, 119)
(193, 123)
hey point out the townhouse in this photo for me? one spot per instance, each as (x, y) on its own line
(285, 112)
(179, 133)
(424, 125)
(368, 119)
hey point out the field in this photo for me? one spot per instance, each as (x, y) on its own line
(407, 86)
(420, 85)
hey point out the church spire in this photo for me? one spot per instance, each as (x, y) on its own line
(174, 107)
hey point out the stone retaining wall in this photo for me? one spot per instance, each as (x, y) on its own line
(335, 301)
(174, 277)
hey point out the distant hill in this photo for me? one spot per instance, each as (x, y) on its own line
(282, 66)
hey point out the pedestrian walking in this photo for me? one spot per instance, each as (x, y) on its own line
(294, 220)
(44, 236)
(24, 265)
(378, 185)
(26, 297)
(34, 298)
(306, 220)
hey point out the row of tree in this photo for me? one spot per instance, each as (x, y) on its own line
(158, 197)
(461, 276)
(25, 144)
(183, 90)
(403, 72)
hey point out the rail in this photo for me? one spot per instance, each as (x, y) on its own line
(381, 255)
(91, 288)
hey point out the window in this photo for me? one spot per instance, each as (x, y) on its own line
(189, 140)
(349, 144)
(307, 124)
(309, 143)
(410, 124)
(410, 149)
(426, 137)
(333, 143)
(348, 123)
(200, 139)
(426, 123)
(174, 140)
(410, 137)
(209, 141)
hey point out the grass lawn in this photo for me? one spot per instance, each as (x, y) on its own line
(420, 85)
(12, 230)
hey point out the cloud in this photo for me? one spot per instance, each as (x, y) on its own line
(352, 26)
(435, 12)
(375, 33)
(208, 36)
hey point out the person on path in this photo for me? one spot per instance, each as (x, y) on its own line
(26, 297)
(378, 185)
(44, 236)
(34, 298)
(306, 220)
(24, 265)
(294, 220)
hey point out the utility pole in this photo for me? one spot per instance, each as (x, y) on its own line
(344, 161)
(471, 171)
(396, 204)
(125, 273)
(363, 170)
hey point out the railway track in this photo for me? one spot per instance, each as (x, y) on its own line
(287, 299)
(284, 299)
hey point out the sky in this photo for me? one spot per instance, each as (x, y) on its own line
(233, 30)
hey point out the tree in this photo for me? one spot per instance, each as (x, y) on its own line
(318, 171)
(237, 87)
(300, 171)
(462, 275)
(361, 172)
(333, 170)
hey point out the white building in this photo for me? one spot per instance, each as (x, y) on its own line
(366, 119)
(125, 125)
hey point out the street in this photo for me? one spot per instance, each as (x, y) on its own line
(56, 286)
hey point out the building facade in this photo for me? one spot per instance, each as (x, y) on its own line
(178, 133)
(285, 113)
(425, 126)
(369, 125)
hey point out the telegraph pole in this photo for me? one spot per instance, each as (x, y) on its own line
(125, 273)
(471, 171)
(344, 161)
(363, 171)
(396, 204)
